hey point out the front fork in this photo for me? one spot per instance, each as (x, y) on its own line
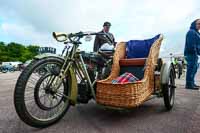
(81, 67)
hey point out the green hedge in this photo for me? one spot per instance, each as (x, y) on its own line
(17, 52)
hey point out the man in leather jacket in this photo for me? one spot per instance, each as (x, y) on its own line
(101, 39)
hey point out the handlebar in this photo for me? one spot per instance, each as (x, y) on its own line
(65, 36)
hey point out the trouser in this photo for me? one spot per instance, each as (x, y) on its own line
(192, 66)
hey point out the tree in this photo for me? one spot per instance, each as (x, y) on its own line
(33, 49)
(3, 52)
(17, 52)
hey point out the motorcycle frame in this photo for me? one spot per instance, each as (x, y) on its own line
(74, 59)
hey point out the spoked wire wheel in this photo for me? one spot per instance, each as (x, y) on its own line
(37, 100)
(45, 98)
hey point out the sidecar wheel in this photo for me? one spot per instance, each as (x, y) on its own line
(168, 89)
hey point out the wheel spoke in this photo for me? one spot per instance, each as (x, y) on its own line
(29, 99)
(51, 102)
(62, 95)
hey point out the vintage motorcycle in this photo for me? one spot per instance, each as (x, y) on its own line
(50, 83)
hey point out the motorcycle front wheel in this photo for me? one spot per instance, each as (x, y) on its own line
(36, 101)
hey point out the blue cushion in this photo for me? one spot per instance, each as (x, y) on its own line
(139, 48)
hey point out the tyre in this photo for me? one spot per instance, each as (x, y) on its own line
(12, 70)
(168, 90)
(179, 75)
(107, 70)
(35, 99)
(4, 70)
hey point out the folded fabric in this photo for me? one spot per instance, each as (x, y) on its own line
(125, 78)
(139, 48)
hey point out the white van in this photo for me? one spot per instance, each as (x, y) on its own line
(14, 63)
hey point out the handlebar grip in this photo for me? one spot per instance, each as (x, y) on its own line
(56, 35)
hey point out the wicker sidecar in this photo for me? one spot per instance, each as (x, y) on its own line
(158, 78)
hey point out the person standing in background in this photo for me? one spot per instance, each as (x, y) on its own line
(100, 40)
(191, 52)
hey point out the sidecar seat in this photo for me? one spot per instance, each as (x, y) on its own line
(135, 66)
(137, 52)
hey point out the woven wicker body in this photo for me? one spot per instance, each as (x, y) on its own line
(128, 95)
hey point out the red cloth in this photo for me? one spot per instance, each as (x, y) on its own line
(125, 78)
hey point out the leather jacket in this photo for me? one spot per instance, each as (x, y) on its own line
(101, 39)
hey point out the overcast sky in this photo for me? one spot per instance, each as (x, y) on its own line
(33, 21)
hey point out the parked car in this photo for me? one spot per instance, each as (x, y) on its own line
(15, 64)
(7, 67)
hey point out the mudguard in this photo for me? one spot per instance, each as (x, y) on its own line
(164, 73)
(74, 87)
(45, 55)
